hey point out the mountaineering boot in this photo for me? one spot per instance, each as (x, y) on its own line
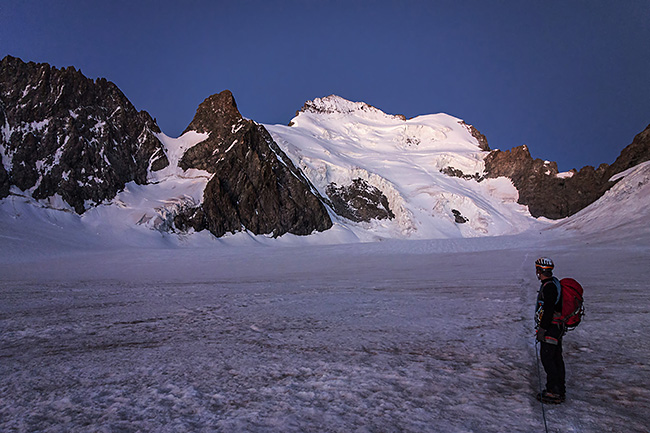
(550, 397)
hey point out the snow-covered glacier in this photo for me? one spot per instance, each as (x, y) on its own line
(335, 141)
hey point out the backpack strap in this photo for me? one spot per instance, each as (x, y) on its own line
(559, 290)
(558, 287)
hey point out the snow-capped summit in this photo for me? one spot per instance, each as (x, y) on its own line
(351, 152)
(335, 118)
(336, 105)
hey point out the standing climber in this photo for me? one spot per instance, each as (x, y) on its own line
(549, 333)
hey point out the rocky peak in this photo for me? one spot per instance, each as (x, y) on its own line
(255, 186)
(219, 117)
(216, 115)
(63, 133)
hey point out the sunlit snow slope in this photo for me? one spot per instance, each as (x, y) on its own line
(334, 140)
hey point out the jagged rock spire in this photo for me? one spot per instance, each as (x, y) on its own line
(255, 186)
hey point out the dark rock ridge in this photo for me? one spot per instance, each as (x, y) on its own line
(552, 196)
(254, 186)
(359, 201)
(482, 140)
(634, 154)
(63, 133)
(454, 172)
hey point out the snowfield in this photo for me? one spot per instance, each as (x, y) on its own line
(411, 336)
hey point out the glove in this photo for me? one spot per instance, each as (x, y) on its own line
(541, 332)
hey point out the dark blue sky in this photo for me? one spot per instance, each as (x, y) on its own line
(569, 78)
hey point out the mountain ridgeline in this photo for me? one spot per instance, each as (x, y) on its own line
(67, 140)
(550, 195)
(65, 134)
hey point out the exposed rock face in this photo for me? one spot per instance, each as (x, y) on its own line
(458, 217)
(65, 134)
(359, 201)
(540, 188)
(255, 186)
(634, 154)
(552, 196)
(482, 140)
(454, 172)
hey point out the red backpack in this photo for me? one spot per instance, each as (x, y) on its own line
(572, 304)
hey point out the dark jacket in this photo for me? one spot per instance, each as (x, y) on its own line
(549, 301)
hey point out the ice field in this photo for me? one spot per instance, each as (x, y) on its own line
(411, 336)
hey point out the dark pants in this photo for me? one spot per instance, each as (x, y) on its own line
(551, 355)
